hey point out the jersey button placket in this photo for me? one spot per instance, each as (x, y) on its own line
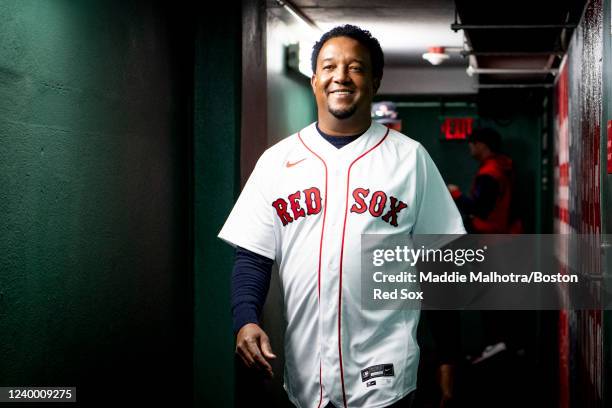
(329, 285)
(343, 217)
(324, 297)
(339, 175)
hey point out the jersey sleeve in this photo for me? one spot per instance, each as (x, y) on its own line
(437, 212)
(250, 224)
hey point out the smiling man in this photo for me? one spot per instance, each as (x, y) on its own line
(347, 75)
(305, 206)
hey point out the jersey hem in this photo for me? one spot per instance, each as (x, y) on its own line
(325, 401)
(399, 397)
(295, 402)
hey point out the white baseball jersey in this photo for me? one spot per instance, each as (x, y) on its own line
(306, 205)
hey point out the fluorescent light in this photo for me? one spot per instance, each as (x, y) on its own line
(298, 15)
(304, 35)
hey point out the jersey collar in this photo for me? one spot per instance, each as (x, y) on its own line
(351, 151)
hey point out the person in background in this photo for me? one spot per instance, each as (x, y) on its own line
(488, 209)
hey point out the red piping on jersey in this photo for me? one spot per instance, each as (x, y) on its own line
(320, 252)
(348, 179)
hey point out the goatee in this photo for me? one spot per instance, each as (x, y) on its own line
(343, 113)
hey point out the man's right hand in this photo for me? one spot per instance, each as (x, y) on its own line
(253, 347)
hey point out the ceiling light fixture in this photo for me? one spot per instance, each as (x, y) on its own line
(436, 55)
(299, 15)
(304, 36)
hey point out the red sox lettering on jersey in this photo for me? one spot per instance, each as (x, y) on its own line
(289, 210)
(306, 205)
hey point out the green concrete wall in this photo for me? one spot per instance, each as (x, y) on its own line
(216, 185)
(291, 104)
(95, 284)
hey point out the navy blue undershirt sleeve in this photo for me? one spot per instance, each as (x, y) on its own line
(250, 284)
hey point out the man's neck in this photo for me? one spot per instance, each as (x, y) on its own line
(341, 128)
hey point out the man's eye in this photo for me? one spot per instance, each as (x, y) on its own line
(357, 69)
(326, 67)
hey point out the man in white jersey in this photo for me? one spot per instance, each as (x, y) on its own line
(306, 205)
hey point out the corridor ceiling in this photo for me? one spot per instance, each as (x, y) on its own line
(507, 44)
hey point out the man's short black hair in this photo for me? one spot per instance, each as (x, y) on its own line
(488, 136)
(363, 36)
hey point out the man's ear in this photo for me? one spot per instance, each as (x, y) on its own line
(376, 82)
(313, 82)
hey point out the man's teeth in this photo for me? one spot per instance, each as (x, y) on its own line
(343, 92)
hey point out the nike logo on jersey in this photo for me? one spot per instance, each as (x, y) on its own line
(289, 164)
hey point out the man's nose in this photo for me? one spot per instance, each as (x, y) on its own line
(341, 75)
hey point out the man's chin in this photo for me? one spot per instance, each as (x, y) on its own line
(343, 113)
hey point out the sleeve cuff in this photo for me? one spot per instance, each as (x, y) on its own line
(243, 314)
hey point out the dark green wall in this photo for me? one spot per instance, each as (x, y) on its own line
(95, 283)
(216, 185)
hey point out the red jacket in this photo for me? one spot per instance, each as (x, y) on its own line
(499, 167)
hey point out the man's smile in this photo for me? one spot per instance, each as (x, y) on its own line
(342, 92)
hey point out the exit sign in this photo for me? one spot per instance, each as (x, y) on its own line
(456, 128)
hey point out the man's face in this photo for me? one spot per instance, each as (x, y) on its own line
(475, 149)
(472, 147)
(343, 83)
